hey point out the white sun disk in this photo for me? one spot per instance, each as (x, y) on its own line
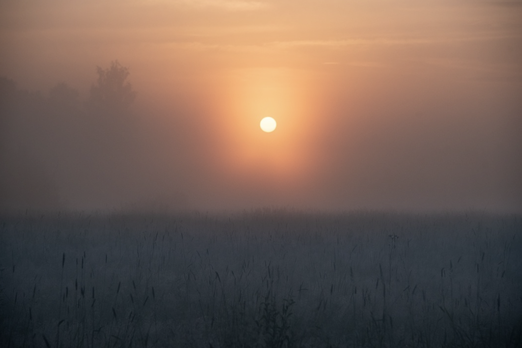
(268, 124)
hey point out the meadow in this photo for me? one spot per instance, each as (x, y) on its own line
(266, 278)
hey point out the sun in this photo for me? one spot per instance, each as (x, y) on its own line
(268, 124)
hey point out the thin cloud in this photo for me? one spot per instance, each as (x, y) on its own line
(390, 42)
(228, 5)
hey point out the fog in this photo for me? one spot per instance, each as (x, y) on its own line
(380, 106)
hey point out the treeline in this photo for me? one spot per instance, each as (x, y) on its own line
(55, 143)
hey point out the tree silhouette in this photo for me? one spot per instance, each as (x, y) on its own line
(112, 91)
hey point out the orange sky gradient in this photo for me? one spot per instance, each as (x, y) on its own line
(396, 105)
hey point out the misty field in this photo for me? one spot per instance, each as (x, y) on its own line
(261, 279)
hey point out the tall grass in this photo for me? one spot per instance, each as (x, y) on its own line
(263, 279)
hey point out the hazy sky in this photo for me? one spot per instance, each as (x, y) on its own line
(380, 104)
